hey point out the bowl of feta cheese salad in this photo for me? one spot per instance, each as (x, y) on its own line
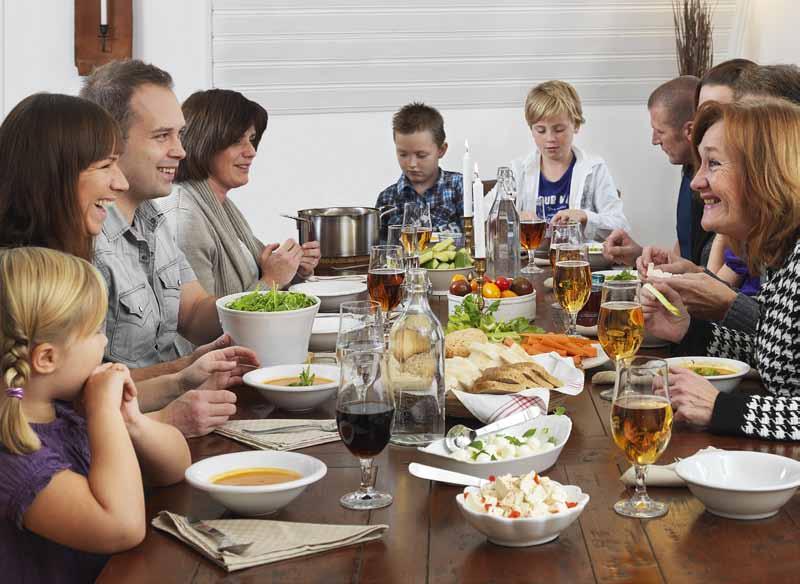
(534, 445)
(519, 511)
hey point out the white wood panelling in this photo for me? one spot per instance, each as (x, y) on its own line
(326, 56)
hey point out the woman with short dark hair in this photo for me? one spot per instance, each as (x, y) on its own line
(222, 133)
(58, 172)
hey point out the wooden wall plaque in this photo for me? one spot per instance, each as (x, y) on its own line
(90, 50)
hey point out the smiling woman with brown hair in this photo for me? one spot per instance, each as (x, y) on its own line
(57, 173)
(749, 180)
(221, 138)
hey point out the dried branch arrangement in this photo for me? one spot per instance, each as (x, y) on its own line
(694, 42)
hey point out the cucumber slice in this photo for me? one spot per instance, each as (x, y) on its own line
(425, 256)
(662, 299)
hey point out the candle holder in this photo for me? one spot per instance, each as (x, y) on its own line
(469, 235)
(480, 270)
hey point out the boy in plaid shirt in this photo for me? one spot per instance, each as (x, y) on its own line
(419, 140)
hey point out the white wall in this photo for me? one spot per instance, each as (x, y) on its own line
(346, 159)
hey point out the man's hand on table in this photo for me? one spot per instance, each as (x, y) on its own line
(199, 411)
(692, 397)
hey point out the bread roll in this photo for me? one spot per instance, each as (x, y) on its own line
(456, 344)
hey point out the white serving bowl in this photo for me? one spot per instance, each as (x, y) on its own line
(597, 261)
(324, 333)
(440, 279)
(294, 399)
(332, 293)
(741, 484)
(558, 426)
(524, 531)
(277, 338)
(724, 383)
(510, 308)
(258, 500)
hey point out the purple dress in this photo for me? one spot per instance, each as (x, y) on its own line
(25, 556)
(751, 285)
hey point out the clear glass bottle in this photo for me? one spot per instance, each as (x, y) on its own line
(415, 367)
(502, 229)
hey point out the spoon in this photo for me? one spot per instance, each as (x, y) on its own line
(431, 473)
(460, 436)
(222, 540)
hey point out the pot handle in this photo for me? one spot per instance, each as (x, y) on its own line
(293, 218)
(385, 210)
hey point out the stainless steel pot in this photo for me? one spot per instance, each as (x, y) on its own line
(342, 231)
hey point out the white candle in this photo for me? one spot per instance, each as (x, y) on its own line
(103, 12)
(467, 180)
(478, 220)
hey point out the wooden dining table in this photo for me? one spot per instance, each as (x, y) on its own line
(428, 541)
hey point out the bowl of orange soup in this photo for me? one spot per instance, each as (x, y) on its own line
(255, 483)
(295, 388)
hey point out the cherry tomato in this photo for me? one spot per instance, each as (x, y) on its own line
(507, 294)
(473, 285)
(503, 283)
(490, 290)
(459, 288)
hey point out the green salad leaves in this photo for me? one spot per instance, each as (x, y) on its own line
(468, 315)
(272, 301)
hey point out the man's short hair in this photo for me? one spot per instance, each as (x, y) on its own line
(773, 80)
(418, 117)
(677, 96)
(215, 120)
(113, 84)
(553, 98)
(726, 74)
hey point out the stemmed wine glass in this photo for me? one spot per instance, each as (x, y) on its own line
(417, 229)
(572, 280)
(532, 226)
(641, 424)
(620, 326)
(386, 275)
(360, 328)
(364, 413)
(564, 233)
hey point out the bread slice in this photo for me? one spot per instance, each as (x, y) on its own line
(537, 375)
(505, 374)
(456, 344)
(496, 387)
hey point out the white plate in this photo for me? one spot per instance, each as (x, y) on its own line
(601, 358)
(548, 283)
(558, 426)
(587, 331)
(332, 292)
(541, 261)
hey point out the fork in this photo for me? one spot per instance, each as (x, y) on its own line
(222, 540)
(329, 426)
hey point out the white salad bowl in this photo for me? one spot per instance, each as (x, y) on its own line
(724, 383)
(523, 531)
(559, 427)
(332, 293)
(277, 338)
(255, 500)
(741, 484)
(294, 399)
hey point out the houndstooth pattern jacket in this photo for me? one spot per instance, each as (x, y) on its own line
(774, 351)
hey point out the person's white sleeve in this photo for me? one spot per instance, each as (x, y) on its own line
(607, 214)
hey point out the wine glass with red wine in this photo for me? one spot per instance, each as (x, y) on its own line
(364, 413)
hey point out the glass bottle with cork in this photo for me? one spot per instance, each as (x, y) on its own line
(502, 229)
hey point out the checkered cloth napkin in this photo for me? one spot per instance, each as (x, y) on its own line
(296, 440)
(273, 541)
(490, 408)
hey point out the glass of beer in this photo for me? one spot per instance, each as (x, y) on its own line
(572, 280)
(620, 324)
(532, 226)
(386, 275)
(641, 424)
(364, 413)
(565, 233)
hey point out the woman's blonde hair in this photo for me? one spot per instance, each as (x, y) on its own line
(45, 296)
(763, 139)
(553, 98)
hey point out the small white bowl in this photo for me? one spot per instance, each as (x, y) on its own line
(294, 399)
(597, 261)
(558, 426)
(741, 484)
(524, 531)
(277, 338)
(258, 500)
(724, 383)
(324, 333)
(509, 308)
(332, 293)
(440, 279)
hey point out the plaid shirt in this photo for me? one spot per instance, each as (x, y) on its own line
(446, 199)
